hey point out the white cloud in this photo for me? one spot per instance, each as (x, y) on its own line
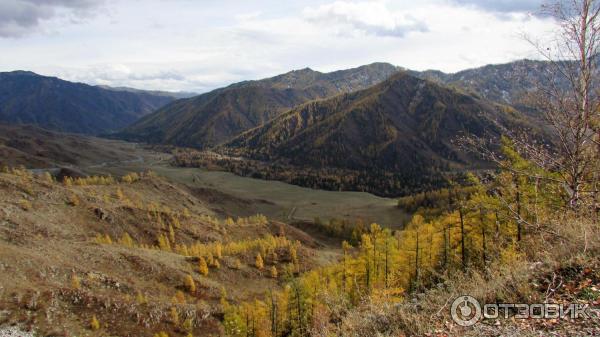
(365, 17)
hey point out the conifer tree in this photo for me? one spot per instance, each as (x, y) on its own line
(179, 297)
(463, 235)
(259, 262)
(274, 317)
(73, 199)
(219, 250)
(345, 247)
(171, 234)
(237, 264)
(140, 298)
(293, 254)
(188, 324)
(164, 243)
(48, 177)
(126, 240)
(75, 282)
(190, 285)
(119, 194)
(202, 266)
(174, 316)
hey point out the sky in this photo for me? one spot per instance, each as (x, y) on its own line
(199, 45)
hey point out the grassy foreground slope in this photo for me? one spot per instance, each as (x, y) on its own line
(99, 256)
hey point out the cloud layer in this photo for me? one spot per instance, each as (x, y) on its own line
(504, 6)
(194, 45)
(365, 17)
(19, 18)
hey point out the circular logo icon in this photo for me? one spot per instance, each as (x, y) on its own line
(466, 310)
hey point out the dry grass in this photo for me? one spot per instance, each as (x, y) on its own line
(47, 242)
(531, 276)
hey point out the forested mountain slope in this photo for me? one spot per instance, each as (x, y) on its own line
(215, 117)
(404, 125)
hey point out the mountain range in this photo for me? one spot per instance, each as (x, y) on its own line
(378, 127)
(218, 116)
(55, 104)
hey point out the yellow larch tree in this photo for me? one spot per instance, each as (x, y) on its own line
(190, 285)
(259, 263)
(202, 266)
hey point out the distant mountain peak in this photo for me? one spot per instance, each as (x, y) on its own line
(379, 64)
(21, 73)
(304, 70)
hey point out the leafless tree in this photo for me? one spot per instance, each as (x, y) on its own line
(569, 96)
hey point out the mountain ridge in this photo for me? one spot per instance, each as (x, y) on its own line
(195, 123)
(173, 94)
(59, 105)
(212, 118)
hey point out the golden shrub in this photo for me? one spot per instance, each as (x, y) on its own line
(94, 324)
